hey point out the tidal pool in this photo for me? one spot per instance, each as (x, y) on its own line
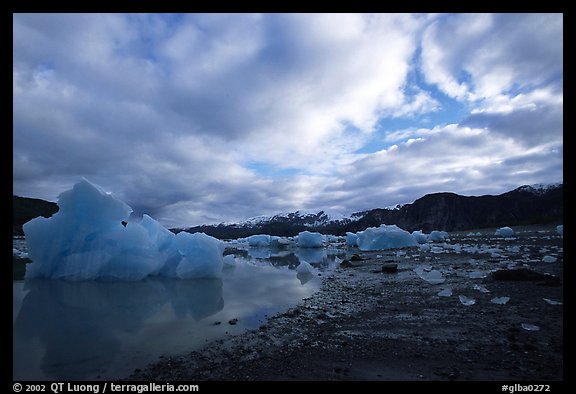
(103, 330)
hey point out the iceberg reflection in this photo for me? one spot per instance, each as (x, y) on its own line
(81, 326)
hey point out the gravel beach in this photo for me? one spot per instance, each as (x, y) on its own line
(477, 307)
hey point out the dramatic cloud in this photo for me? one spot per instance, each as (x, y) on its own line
(206, 118)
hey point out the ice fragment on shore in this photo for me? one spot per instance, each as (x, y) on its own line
(500, 300)
(420, 237)
(505, 232)
(530, 327)
(438, 236)
(445, 293)
(433, 277)
(549, 259)
(477, 275)
(560, 229)
(466, 300)
(552, 302)
(481, 289)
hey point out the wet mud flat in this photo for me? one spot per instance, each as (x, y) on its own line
(366, 324)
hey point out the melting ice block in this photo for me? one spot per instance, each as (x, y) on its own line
(351, 239)
(466, 300)
(438, 236)
(420, 237)
(431, 276)
(259, 240)
(87, 240)
(306, 239)
(505, 232)
(385, 237)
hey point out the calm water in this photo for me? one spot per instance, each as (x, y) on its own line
(98, 330)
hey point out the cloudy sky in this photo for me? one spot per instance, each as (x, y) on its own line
(207, 118)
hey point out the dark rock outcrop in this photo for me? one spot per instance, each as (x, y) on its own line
(25, 209)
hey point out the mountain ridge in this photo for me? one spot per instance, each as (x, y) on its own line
(447, 211)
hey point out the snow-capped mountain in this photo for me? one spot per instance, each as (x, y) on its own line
(539, 188)
(437, 211)
(299, 217)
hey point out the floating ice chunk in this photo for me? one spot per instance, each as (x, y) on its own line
(385, 237)
(500, 300)
(549, 259)
(438, 236)
(552, 302)
(88, 238)
(513, 249)
(505, 232)
(457, 248)
(560, 229)
(433, 277)
(437, 249)
(307, 239)
(466, 300)
(481, 288)
(530, 327)
(351, 239)
(471, 234)
(425, 248)
(279, 242)
(259, 240)
(333, 238)
(229, 261)
(304, 268)
(201, 255)
(445, 293)
(477, 275)
(420, 237)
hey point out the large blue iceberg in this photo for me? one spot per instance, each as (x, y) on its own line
(88, 238)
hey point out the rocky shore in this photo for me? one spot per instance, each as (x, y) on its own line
(477, 307)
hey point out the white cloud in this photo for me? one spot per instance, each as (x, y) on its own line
(167, 111)
(476, 57)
